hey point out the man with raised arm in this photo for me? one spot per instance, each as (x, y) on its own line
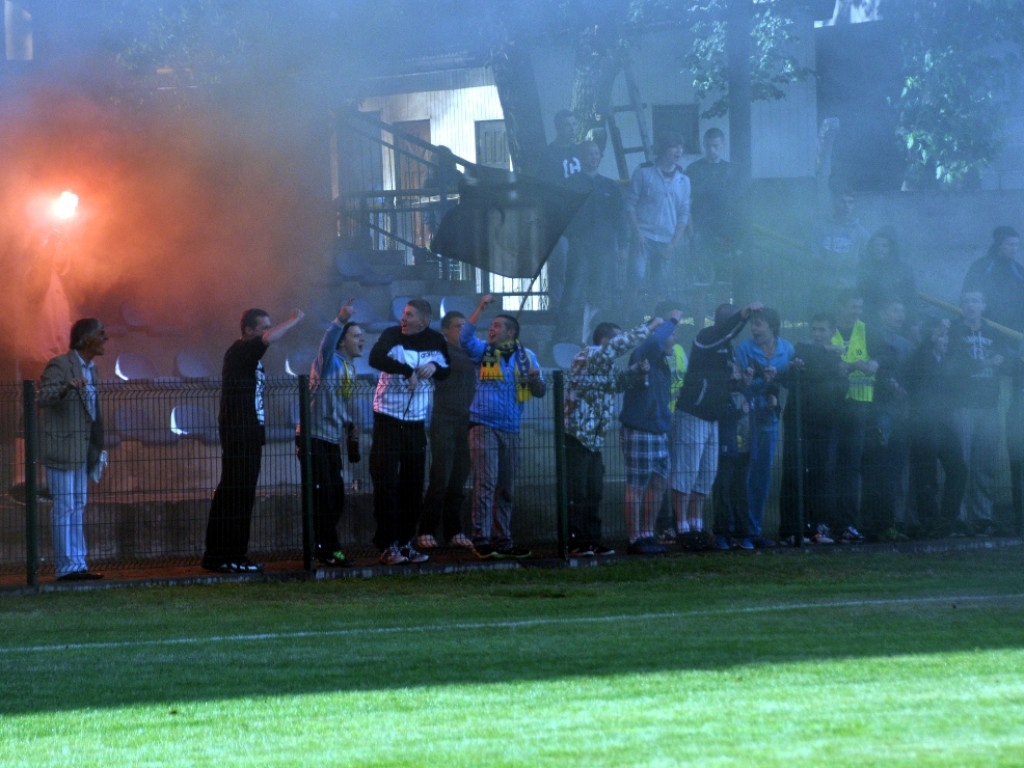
(332, 379)
(508, 376)
(593, 382)
(242, 436)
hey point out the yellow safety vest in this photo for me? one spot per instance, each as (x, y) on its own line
(862, 386)
(678, 366)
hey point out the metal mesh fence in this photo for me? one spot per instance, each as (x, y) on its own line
(152, 504)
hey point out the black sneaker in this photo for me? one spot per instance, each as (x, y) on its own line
(512, 551)
(581, 550)
(695, 541)
(601, 550)
(412, 554)
(484, 551)
(851, 536)
(646, 546)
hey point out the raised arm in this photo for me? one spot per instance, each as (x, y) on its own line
(275, 332)
(485, 301)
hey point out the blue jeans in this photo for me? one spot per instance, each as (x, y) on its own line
(68, 487)
(763, 439)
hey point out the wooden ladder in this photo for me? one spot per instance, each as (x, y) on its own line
(636, 106)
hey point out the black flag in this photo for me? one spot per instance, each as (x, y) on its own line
(504, 223)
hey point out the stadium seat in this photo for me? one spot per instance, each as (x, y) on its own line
(192, 365)
(352, 265)
(463, 304)
(364, 314)
(299, 363)
(135, 366)
(364, 369)
(133, 315)
(134, 422)
(398, 306)
(282, 422)
(564, 352)
(194, 421)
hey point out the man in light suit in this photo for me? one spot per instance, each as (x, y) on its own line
(71, 438)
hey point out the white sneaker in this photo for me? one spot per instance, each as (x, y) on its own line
(426, 541)
(391, 556)
(412, 555)
(461, 540)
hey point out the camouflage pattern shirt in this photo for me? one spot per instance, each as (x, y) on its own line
(593, 382)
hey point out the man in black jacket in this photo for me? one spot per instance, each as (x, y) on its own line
(409, 357)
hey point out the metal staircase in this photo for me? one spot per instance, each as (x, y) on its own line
(391, 190)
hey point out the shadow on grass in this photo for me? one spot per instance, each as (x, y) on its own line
(172, 646)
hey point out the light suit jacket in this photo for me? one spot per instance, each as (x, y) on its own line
(69, 436)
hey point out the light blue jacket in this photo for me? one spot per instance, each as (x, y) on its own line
(496, 403)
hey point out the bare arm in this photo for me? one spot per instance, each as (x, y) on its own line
(485, 301)
(275, 332)
(346, 311)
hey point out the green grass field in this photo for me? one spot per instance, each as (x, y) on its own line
(846, 659)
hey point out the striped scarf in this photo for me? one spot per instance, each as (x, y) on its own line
(491, 370)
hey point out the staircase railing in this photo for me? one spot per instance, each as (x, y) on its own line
(392, 189)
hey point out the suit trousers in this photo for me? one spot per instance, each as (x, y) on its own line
(69, 488)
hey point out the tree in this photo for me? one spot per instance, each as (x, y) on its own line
(959, 64)
(772, 64)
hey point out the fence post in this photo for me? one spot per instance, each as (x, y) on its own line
(798, 395)
(305, 447)
(1018, 513)
(561, 497)
(31, 489)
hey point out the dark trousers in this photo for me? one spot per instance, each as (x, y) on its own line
(328, 491)
(584, 471)
(885, 460)
(931, 444)
(851, 427)
(818, 441)
(227, 532)
(449, 468)
(1015, 449)
(729, 496)
(397, 459)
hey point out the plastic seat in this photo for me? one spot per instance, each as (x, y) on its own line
(194, 421)
(366, 373)
(133, 422)
(133, 315)
(398, 306)
(135, 366)
(352, 265)
(282, 425)
(364, 314)
(463, 304)
(192, 365)
(564, 352)
(299, 363)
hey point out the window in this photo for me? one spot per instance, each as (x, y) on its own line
(681, 119)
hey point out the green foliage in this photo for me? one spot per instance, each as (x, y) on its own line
(959, 63)
(772, 64)
(199, 38)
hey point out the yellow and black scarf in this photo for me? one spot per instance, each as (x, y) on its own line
(491, 370)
